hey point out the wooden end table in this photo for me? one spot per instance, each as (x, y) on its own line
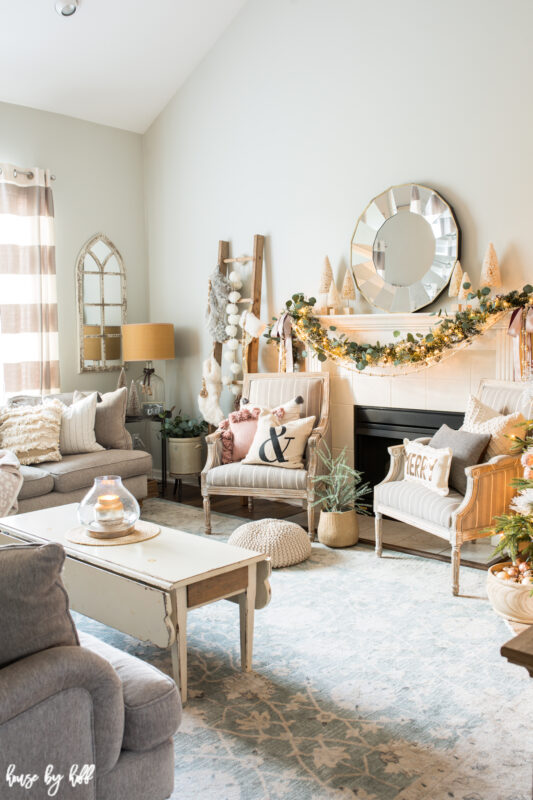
(146, 589)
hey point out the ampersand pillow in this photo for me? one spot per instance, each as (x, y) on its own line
(239, 429)
(427, 465)
(279, 444)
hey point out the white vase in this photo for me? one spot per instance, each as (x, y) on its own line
(185, 455)
(509, 599)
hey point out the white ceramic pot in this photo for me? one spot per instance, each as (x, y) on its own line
(510, 600)
(185, 456)
(338, 528)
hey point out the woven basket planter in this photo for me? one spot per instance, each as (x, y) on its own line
(510, 600)
(338, 528)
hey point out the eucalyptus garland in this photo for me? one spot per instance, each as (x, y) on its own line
(451, 333)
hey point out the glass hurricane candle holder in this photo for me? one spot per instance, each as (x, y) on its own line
(108, 510)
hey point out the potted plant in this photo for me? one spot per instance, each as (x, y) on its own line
(184, 436)
(340, 494)
(510, 584)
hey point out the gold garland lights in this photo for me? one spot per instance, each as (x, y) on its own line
(414, 351)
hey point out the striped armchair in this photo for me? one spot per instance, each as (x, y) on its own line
(455, 518)
(271, 390)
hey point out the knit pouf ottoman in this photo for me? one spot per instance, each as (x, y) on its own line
(285, 542)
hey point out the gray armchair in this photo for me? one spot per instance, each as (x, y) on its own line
(271, 390)
(82, 705)
(455, 517)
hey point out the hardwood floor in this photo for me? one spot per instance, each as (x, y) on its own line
(232, 505)
(396, 536)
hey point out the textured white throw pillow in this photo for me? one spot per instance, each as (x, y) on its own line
(427, 465)
(480, 418)
(77, 427)
(32, 432)
(279, 444)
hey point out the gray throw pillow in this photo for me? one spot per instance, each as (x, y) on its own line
(34, 609)
(467, 449)
(109, 422)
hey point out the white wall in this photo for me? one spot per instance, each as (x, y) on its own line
(303, 111)
(98, 188)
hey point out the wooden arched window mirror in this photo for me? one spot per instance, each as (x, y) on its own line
(101, 290)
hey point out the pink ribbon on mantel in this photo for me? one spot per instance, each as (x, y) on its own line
(282, 329)
(517, 326)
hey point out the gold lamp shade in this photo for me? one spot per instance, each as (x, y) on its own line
(92, 342)
(148, 341)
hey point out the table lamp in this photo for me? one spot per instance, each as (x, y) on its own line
(149, 341)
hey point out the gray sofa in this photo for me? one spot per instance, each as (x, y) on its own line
(68, 701)
(56, 483)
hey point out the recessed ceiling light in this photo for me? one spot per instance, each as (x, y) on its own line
(66, 8)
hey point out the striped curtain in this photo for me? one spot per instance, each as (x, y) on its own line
(29, 361)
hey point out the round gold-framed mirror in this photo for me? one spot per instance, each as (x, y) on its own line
(404, 248)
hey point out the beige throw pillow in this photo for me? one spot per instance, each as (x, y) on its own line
(427, 465)
(480, 418)
(77, 426)
(32, 432)
(109, 424)
(279, 444)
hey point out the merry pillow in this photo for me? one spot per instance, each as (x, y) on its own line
(427, 465)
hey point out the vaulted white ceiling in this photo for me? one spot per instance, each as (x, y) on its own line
(117, 62)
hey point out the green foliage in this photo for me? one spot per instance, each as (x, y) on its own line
(183, 427)
(340, 487)
(514, 529)
(451, 330)
(522, 443)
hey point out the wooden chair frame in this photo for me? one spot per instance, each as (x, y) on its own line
(214, 457)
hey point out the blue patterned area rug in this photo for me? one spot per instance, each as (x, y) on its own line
(370, 681)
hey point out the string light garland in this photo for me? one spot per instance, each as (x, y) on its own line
(413, 352)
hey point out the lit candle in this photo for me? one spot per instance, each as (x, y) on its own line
(109, 508)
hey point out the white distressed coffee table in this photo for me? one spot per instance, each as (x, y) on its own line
(146, 589)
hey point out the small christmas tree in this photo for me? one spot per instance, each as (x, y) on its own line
(490, 271)
(334, 299)
(348, 286)
(466, 287)
(456, 280)
(134, 404)
(326, 279)
(121, 379)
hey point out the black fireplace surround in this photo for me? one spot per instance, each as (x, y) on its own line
(377, 428)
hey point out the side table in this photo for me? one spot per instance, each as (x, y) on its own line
(163, 445)
(178, 481)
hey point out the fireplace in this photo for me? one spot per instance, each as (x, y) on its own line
(377, 428)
